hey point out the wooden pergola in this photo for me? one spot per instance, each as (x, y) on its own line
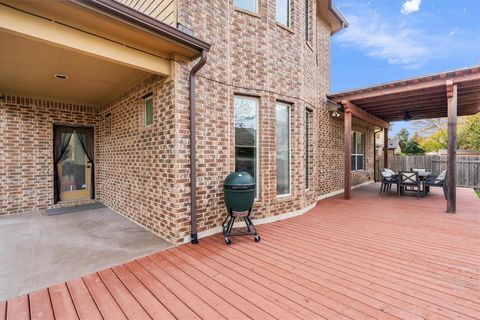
(448, 94)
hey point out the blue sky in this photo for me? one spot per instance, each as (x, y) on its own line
(395, 39)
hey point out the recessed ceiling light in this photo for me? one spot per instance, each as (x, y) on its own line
(61, 76)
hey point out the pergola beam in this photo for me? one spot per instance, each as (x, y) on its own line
(398, 88)
(363, 115)
(452, 148)
(418, 103)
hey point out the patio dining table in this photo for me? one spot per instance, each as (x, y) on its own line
(422, 175)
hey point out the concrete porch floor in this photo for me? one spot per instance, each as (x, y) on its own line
(37, 250)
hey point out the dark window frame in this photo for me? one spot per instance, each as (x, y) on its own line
(145, 106)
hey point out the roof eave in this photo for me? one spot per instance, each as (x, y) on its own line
(138, 19)
(340, 19)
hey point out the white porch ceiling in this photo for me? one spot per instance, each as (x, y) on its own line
(28, 68)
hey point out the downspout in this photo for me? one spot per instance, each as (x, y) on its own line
(375, 155)
(193, 150)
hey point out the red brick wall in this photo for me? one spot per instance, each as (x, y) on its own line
(252, 55)
(136, 163)
(26, 150)
(143, 173)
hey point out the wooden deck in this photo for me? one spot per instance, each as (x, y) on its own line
(373, 257)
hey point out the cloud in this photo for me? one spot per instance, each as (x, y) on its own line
(380, 38)
(410, 6)
(409, 43)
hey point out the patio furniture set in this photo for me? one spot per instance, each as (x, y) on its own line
(416, 180)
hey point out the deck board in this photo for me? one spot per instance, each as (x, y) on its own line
(62, 303)
(83, 301)
(40, 305)
(18, 308)
(211, 297)
(184, 296)
(104, 300)
(125, 298)
(3, 310)
(373, 257)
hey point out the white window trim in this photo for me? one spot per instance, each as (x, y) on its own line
(289, 24)
(257, 140)
(289, 148)
(145, 111)
(243, 9)
(360, 154)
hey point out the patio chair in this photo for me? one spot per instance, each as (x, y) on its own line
(408, 179)
(439, 181)
(388, 179)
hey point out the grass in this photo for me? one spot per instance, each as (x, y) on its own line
(478, 194)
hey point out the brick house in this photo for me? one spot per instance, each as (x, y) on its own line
(95, 107)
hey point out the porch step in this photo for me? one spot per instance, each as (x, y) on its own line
(83, 207)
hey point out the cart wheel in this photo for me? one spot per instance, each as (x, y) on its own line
(228, 241)
(257, 238)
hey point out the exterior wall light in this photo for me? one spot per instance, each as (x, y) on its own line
(335, 114)
(335, 109)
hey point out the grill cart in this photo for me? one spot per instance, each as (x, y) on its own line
(239, 192)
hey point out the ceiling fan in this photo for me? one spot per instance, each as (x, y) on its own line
(407, 116)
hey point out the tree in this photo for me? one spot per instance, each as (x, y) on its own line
(403, 137)
(409, 146)
(435, 133)
(469, 134)
(434, 142)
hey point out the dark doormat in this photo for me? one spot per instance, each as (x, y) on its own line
(83, 207)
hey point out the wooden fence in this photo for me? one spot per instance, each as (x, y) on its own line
(468, 167)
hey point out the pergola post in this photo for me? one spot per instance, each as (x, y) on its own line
(452, 148)
(348, 154)
(385, 147)
(351, 110)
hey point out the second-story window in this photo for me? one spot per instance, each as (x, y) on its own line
(283, 12)
(249, 5)
(308, 21)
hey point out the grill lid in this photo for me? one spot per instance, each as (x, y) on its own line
(239, 181)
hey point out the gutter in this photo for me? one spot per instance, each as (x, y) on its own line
(193, 150)
(138, 19)
(338, 16)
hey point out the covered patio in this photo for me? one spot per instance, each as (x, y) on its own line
(449, 94)
(337, 261)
